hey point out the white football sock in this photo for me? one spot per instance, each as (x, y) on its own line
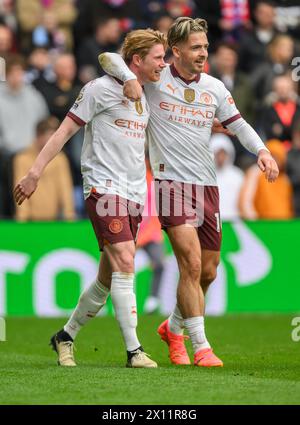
(124, 302)
(195, 328)
(89, 304)
(175, 322)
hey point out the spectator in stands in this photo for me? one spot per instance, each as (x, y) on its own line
(230, 178)
(48, 34)
(280, 54)
(6, 41)
(282, 110)
(176, 8)
(254, 42)
(30, 13)
(21, 108)
(226, 19)
(128, 12)
(87, 73)
(107, 37)
(54, 197)
(154, 6)
(293, 167)
(40, 68)
(18, 102)
(162, 23)
(224, 67)
(288, 17)
(7, 14)
(61, 94)
(259, 200)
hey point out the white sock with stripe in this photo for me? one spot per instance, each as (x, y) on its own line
(90, 303)
(195, 329)
(175, 322)
(124, 302)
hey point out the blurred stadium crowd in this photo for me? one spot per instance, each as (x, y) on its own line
(51, 49)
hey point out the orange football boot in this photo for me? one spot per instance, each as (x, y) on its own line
(177, 351)
(207, 358)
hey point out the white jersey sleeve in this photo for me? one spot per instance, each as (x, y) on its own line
(114, 65)
(226, 111)
(247, 136)
(89, 103)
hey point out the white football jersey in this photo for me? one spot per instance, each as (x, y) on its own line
(181, 120)
(113, 152)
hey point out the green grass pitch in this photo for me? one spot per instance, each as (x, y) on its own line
(261, 365)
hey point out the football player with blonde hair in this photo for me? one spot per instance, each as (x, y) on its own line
(183, 105)
(114, 181)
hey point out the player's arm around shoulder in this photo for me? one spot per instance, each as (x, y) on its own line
(113, 64)
(28, 184)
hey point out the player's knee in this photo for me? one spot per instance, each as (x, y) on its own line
(125, 262)
(208, 276)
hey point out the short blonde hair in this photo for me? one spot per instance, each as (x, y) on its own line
(139, 42)
(183, 27)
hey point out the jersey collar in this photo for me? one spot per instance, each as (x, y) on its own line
(175, 73)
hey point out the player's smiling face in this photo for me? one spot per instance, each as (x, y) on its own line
(192, 54)
(153, 63)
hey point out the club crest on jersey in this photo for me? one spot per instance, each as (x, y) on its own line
(139, 107)
(206, 98)
(189, 95)
(115, 226)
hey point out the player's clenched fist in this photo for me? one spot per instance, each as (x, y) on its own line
(268, 165)
(25, 188)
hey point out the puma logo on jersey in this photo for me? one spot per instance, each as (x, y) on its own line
(172, 88)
